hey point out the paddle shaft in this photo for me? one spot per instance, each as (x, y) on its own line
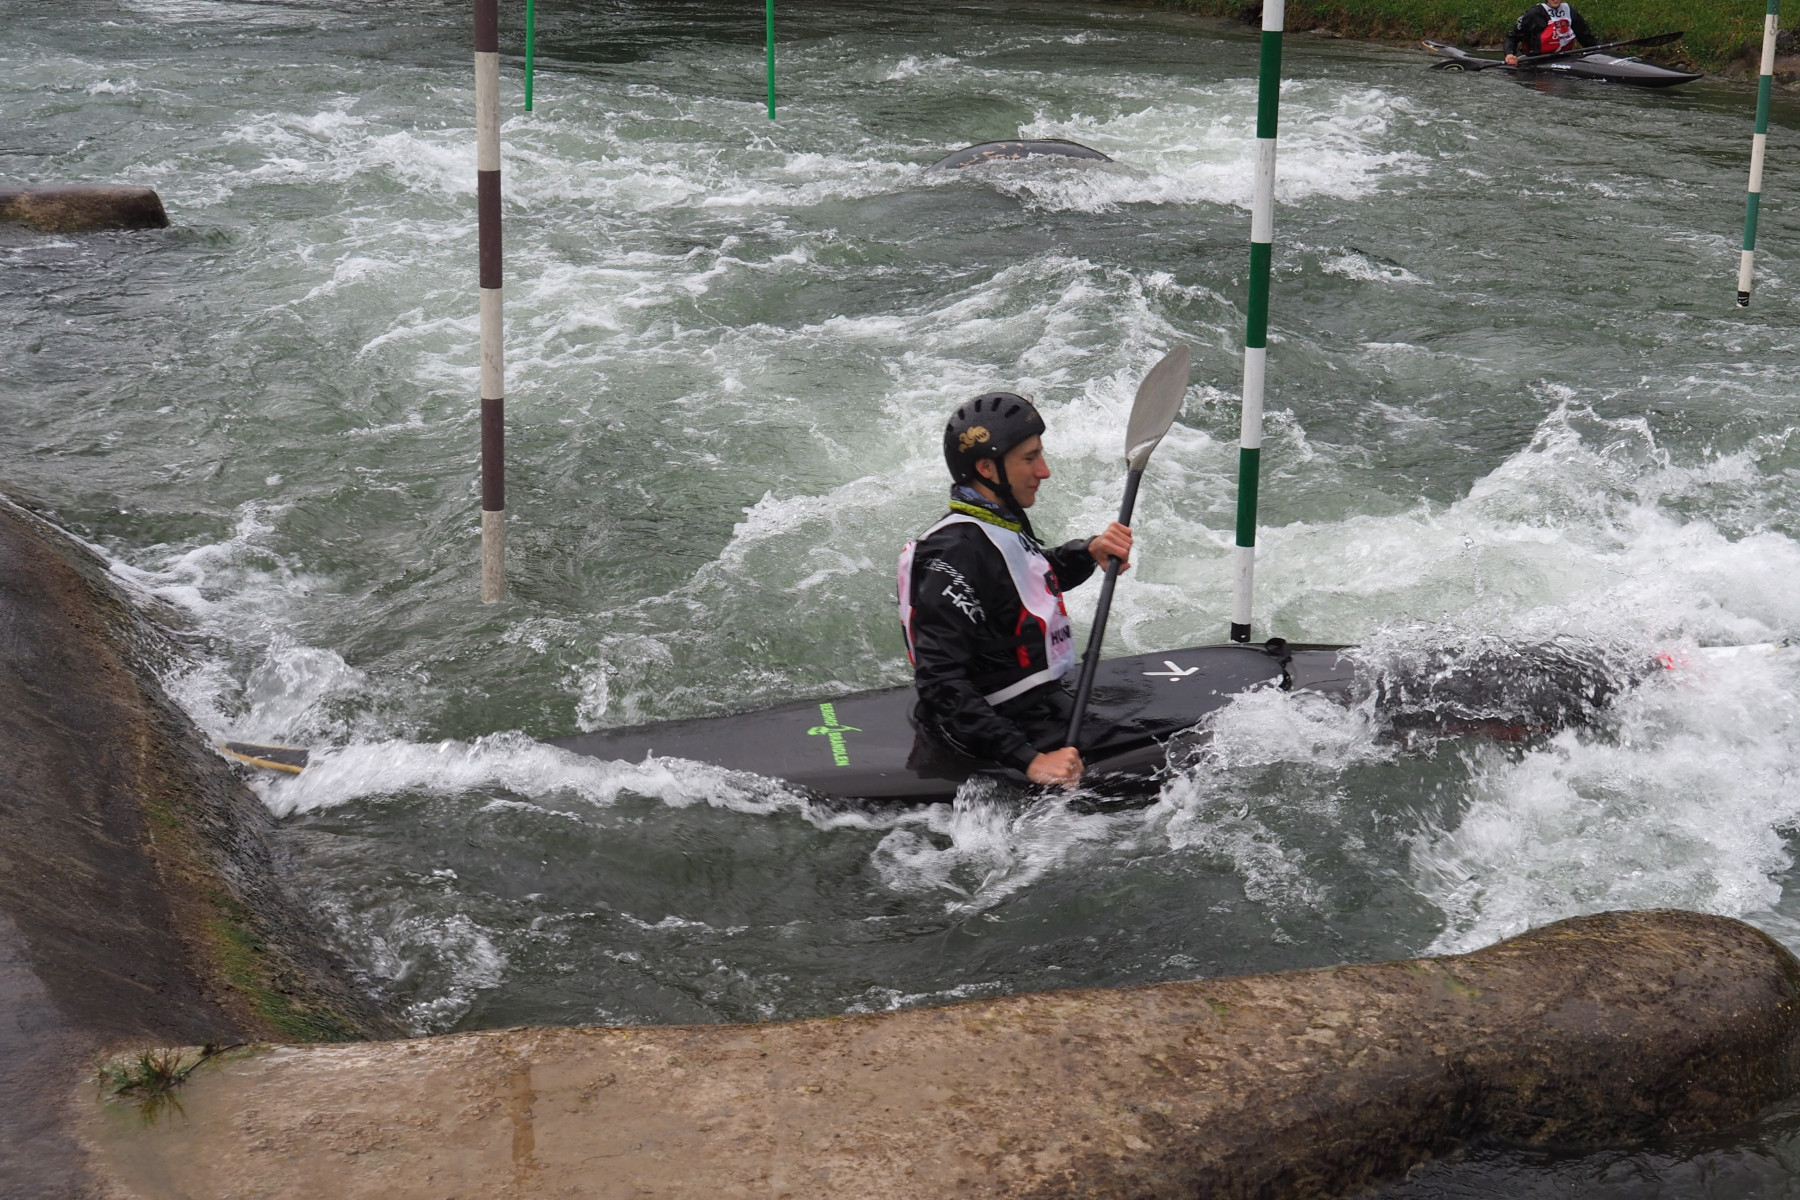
(1091, 660)
(1532, 60)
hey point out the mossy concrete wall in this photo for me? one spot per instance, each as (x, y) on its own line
(1610, 1029)
(140, 899)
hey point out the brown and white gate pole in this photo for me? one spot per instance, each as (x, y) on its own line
(493, 337)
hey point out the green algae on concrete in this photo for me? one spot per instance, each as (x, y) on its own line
(1612, 1029)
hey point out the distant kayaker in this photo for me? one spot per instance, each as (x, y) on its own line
(1547, 29)
(981, 599)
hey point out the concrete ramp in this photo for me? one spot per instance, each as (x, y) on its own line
(140, 900)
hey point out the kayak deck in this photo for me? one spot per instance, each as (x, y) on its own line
(864, 746)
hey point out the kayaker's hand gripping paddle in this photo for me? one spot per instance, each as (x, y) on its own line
(1158, 403)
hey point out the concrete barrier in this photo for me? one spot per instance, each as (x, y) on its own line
(87, 208)
(1621, 1027)
(138, 896)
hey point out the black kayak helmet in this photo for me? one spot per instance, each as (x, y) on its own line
(987, 427)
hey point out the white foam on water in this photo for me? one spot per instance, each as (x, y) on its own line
(240, 14)
(1206, 807)
(984, 847)
(1358, 266)
(518, 765)
(1684, 798)
(1685, 802)
(1267, 726)
(1198, 145)
(214, 577)
(241, 592)
(913, 66)
(1582, 532)
(445, 959)
(334, 147)
(882, 999)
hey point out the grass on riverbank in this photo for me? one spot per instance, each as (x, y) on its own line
(1718, 31)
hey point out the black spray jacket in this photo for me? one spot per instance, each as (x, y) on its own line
(966, 639)
(1527, 37)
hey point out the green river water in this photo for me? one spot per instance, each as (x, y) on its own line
(1509, 396)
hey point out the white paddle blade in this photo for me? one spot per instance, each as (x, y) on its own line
(1158, 403)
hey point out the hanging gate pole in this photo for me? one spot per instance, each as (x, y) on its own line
(493, 349)
(769, 44)
(1256, 323)
(530, 47)
(1764, 88)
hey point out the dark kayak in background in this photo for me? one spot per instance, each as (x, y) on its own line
(1004, 151)
(1608, 67)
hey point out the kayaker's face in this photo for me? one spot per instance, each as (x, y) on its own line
(1026, 469)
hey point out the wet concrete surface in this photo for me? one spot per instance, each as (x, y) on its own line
(1616, 1028)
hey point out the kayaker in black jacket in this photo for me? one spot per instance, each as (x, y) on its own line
(1547, 29)
(981, 599)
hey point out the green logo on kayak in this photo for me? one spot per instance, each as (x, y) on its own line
(834, 733)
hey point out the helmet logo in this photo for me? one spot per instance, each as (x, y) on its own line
(971, 436)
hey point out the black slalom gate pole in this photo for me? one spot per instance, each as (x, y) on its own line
(493, 336)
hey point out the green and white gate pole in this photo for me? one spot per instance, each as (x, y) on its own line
(1764, 89)
(1256, 324)
(769, 49)
(530, 47)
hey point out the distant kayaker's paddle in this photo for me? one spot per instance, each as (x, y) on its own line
(1471, 63)
(1158, 402)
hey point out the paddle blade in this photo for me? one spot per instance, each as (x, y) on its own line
(1158, 403)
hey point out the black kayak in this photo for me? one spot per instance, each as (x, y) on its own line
(1027, 148)
(1150, 709)
(1607, 67)
(864, 746)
